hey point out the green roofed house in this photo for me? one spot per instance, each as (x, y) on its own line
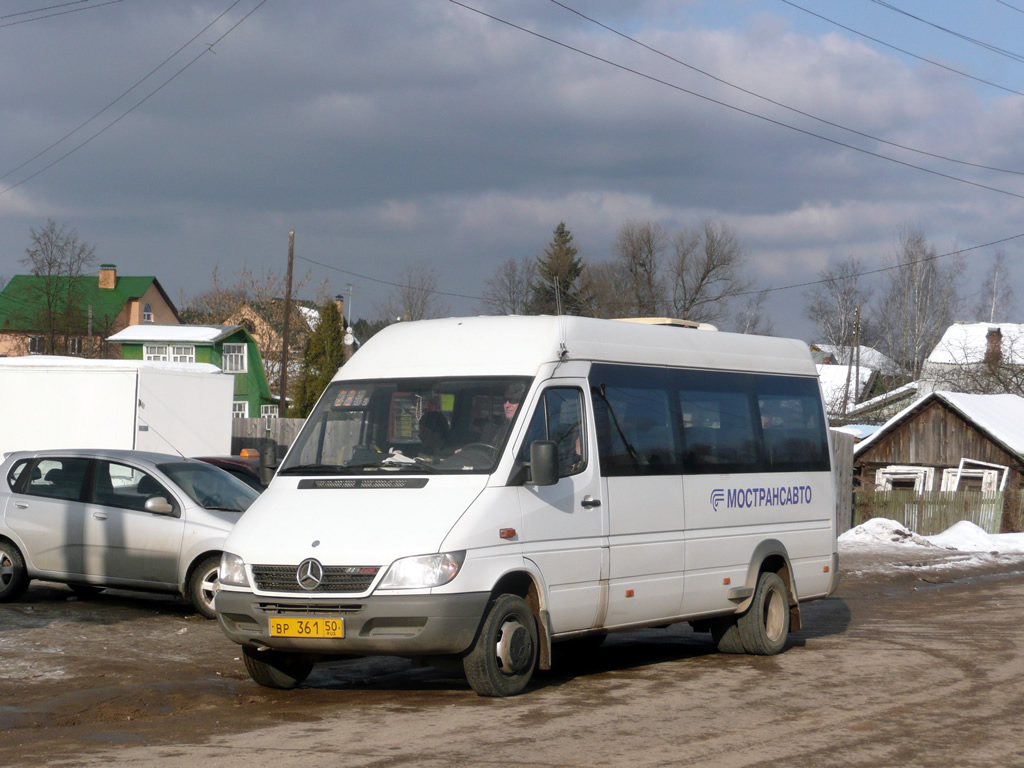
(61, 315)
(229, 347)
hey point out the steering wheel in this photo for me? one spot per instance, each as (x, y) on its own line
(488, 451)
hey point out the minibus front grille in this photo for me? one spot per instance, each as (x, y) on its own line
(312, 609)
(336, 578)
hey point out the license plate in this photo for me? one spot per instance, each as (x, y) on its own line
(308, 627)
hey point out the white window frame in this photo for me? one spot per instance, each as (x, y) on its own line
(923, 477)
(240, 409)
(147, 313)
(235, 359)
(183, 353)
(268, 413)
(155, 352)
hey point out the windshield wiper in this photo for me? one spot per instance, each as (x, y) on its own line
(313, 469)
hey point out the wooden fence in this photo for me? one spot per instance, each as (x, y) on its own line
(935, 511)
(264, 433)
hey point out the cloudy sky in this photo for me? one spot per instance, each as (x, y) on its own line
(394, 134)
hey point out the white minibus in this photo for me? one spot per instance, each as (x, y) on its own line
(479, 489)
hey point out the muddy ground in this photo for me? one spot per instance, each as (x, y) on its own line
(918, 660)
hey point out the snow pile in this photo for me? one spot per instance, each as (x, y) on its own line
(960, 545)
(961, 537)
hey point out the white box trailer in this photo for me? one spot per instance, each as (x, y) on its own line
(62, 402)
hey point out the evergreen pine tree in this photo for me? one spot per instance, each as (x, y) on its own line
(559, 271)
(322, 357)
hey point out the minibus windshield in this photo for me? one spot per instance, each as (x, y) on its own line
(422, 425)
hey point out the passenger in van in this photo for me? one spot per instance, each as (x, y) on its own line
(495, 433)
(434, 434)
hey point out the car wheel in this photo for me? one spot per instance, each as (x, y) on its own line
(204, 585)
(274, 669)
(13, 576)
(504, 655)
(765, 626)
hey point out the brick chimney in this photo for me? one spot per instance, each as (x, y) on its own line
(108, 276)
(993, 346)
(339, 302)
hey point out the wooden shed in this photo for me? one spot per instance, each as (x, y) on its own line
(947, 441)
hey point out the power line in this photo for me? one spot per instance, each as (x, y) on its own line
(766, 119)
(139, 82)
(53, 15)
(902, 50)
(111, 124)
(386, 282)
(780, 104)
(980, 43)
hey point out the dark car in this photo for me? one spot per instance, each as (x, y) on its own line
(245, 468)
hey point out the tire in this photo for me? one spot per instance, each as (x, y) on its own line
(504, 655)
(763, 629)
(203, 586)
(13, 576)
(726, 634)
(274, 669)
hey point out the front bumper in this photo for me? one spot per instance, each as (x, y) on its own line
(417, 625)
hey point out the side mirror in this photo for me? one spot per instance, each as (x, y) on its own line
(543, 462)
(158, 505)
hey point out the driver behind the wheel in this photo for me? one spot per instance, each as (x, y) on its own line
(494, 433)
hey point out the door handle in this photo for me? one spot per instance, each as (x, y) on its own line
(21, 504)
(99, 515)
(590, 501)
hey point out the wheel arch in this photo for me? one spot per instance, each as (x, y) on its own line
(186, 579)
(772, 556)
(530, 587)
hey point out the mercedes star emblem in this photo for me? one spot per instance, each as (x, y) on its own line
(309, 574)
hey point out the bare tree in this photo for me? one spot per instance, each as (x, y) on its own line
(58, 258)
(507, 292)
(416, 297)
(752, 318)
(997, 299)
(638, 249)
(601, 284)
(922, 299)
(706, 272)
(832, 305)
(255, 302)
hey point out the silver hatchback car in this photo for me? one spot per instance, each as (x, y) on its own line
(125, 519)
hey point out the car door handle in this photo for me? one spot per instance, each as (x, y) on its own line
(99, 515)
(590, 501)
(21, 504)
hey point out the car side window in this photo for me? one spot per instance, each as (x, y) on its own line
(559, 417)
(58, 478)
(120, 485)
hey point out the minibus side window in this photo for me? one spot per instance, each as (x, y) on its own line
(635, 430)
(559, 417)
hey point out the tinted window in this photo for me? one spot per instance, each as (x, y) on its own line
(119, 485)
(57, 478)
(665, 421)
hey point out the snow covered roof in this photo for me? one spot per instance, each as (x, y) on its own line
(59, 361)
(833, 385)
(1001, 417)
(964, 343)
(859, 431)
(869, 357)
(196, 334)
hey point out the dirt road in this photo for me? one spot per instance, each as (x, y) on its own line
(910, 664)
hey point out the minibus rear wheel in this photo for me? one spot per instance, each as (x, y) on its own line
(504, 655)
(765, 626)
(274, 669)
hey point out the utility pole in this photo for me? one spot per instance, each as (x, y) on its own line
(283, 403)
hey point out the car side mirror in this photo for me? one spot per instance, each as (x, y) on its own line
(543, 462)
(158, 505)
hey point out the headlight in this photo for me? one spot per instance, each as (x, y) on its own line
(232, 571)
(423, 571)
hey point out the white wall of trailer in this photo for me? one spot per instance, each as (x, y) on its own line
(52, 402)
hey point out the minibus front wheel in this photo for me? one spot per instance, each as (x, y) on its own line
(502, 660)
(275, 669)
